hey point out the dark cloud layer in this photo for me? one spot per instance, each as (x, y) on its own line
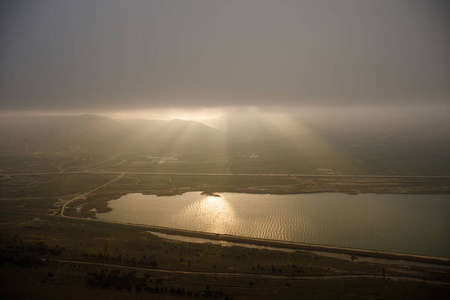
(115, 55)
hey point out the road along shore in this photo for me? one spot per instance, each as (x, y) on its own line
(284, 244)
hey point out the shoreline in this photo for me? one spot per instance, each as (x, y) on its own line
(283, 244)
(300, 246)
(378, 254)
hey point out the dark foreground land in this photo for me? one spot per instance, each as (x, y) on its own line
(51, 257)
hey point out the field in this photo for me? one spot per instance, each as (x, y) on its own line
(61, 257)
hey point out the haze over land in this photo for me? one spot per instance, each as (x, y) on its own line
(334, 143)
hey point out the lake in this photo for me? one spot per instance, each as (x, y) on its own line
(416, 224)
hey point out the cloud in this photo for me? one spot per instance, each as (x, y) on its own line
(115, 55)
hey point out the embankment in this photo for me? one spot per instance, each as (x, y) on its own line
(287, 244)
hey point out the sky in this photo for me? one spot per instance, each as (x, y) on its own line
(205, 55)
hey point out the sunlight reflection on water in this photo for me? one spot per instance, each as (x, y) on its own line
(416, 224)
(214, 214)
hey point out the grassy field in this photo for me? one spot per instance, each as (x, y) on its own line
(175, 184)
(51, 185)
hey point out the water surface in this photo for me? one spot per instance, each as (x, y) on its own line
(417, 224)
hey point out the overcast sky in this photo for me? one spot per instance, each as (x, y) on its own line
(129, 55)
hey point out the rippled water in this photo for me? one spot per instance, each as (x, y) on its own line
(418, 224)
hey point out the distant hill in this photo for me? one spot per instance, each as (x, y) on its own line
(96, 133)
(244, 127)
